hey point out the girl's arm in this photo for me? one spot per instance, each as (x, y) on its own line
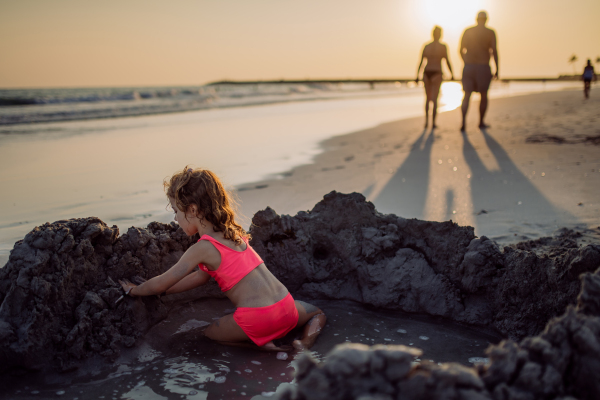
(193, 280)
(161, 283)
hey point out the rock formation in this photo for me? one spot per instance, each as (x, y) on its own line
(345, 249)
(560, 363)
(59, 290)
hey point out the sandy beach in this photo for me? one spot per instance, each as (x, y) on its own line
(536, 169)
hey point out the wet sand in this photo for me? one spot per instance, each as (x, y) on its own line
(512, 182)
(175, 359)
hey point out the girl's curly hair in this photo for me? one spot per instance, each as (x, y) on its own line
(204, 189)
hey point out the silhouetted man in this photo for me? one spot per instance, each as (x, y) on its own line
(476, 46)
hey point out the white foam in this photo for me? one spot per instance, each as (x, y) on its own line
(479, 360)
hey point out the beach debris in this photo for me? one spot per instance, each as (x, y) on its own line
(120, 299)
(282, 355)
(479, 360)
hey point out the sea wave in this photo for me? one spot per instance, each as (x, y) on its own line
(22, 106)
(26, 106)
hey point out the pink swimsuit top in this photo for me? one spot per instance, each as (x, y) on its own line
(234, 264)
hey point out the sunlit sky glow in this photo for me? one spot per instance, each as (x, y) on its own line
(70, 43)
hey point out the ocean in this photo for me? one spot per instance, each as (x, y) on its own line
(22, 106)
(112, 167)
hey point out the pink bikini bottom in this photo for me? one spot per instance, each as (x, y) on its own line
(263, 324)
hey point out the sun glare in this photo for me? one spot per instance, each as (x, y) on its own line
(452, 15)
(451, 96)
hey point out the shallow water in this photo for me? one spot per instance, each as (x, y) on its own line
(174, 360)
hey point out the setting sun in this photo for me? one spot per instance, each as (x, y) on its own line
(452, 16)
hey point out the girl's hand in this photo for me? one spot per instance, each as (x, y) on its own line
(127, 286)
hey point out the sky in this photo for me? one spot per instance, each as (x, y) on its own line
(78, 43)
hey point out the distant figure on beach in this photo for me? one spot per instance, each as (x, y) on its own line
(434, 52)
(265, 310)
(588, 75)
(476, 46)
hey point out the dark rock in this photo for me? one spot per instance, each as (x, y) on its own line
(345, 249)
(58, 291)
(58, 298)
(561, 363)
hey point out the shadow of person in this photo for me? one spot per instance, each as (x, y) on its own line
(450, 212)
(405, 194)
(506, 202)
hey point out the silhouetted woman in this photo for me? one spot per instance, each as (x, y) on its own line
(434, 52)
(588, 75)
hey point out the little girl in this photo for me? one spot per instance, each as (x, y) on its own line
(265, 310)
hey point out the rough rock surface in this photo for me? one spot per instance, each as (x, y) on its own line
(560, 363)
(345, 249)
(59, 289)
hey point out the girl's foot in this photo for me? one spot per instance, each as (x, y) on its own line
(310, 333)
(271, 347)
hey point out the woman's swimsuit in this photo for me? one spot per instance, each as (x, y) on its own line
(261, 324)
(431, 74)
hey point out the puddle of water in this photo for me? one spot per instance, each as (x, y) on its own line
(174, 359)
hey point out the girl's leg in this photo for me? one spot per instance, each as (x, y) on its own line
(225, 329)
(313, 320)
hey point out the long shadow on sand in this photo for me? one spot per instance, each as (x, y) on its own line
(406, 192)
(510, 192)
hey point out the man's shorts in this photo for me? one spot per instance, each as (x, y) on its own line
(476, 78)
